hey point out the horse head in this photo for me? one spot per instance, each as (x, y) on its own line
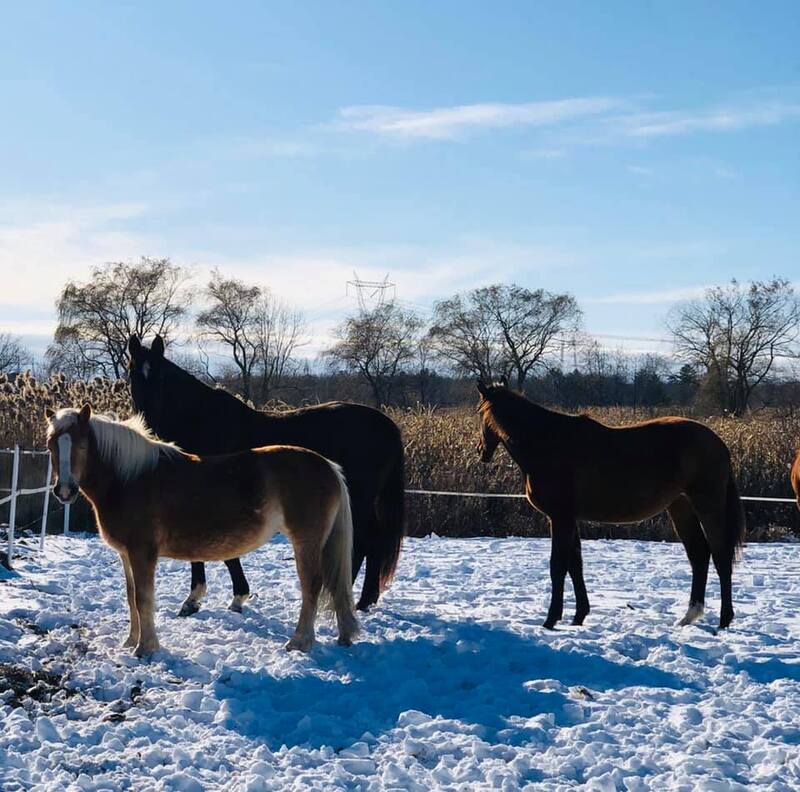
(146, 371)
(68, 444)
(489, 439)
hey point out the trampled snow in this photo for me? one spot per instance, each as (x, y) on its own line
(453, 683)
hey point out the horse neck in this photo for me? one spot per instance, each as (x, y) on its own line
(526, 428)
(99, 476)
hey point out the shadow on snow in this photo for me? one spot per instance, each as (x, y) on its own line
(459, 671)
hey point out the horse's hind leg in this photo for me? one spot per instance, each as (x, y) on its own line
(578, 583)
(372, 582)
(192, 603)
(365, 526)
(710, 506)
(143, 567)
(241, 589)
(722, 554)
(562, 530)
(130, 589)
(308, 558)
(690, 532)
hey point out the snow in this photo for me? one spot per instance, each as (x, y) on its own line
(453, 683)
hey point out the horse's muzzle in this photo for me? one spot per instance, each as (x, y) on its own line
(66, 493)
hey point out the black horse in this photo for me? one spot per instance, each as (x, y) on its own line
(365, 442)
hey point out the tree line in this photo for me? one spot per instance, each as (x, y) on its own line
(735, 347)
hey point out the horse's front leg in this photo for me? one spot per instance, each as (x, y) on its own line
(241, 589)
(143, 566)
(192, 603)
(562, 532)
(578, 583)
(133, 633)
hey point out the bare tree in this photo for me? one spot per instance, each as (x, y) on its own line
(279, 332)
(377, 344)
(736, 333)
(231, 318)
(13, 354)
(96, 318)
(502, 329)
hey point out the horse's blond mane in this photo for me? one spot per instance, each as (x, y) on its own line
(129, 446)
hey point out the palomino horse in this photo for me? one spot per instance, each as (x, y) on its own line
(152, 500)
(796, 478)
(579, 469)
(365, 442)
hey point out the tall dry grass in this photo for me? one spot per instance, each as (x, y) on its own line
(23, 400)
(441, 454)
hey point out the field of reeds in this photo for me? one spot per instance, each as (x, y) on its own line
(441, 455)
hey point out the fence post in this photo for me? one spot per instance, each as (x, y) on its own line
(46, 502)
(12, 511)
(66, 519)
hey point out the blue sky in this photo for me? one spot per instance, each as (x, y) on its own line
(631, 153)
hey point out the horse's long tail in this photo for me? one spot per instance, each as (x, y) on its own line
(337, 563)
(390, 509)
(736, 526)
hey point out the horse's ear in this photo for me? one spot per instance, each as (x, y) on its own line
(157, 347)
(482, 387)
(134, 346)
(85, 414)
(49, 412)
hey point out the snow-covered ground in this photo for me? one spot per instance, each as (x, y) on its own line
(453, 683)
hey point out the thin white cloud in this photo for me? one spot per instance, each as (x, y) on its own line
(715, 120)
(640, 170)
(544, 154)
(448, 123)
(660, 297)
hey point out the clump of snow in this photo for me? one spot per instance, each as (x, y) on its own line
(453, 683)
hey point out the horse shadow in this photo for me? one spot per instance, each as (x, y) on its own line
(494, 683)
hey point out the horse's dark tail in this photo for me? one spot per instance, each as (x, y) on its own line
(735, 524)
(390, 508)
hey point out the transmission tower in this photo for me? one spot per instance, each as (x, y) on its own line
(371, 294)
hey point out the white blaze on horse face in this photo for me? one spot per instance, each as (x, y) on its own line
(64, 459)
(145, 369)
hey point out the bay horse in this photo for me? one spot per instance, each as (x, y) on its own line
(365, 442)
(151, 499)
(795, 476)
(577, 468)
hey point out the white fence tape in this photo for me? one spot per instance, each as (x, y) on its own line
(520, 495)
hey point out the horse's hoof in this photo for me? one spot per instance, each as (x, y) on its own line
(299, 644)
(550, 624)
(237, 602)
(129, 642)
(578, 620)
(725, 621)
(144, 651)
(692, 615)
(344, 640)
(365, 603)
(189, 607)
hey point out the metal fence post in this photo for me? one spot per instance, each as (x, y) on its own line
(66, 519)
(46, 502)
(12, 511)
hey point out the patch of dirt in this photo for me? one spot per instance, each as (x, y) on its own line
(19, 685)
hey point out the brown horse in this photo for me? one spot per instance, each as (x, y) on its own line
(579, 469)
(796, 478)
(152, 500)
